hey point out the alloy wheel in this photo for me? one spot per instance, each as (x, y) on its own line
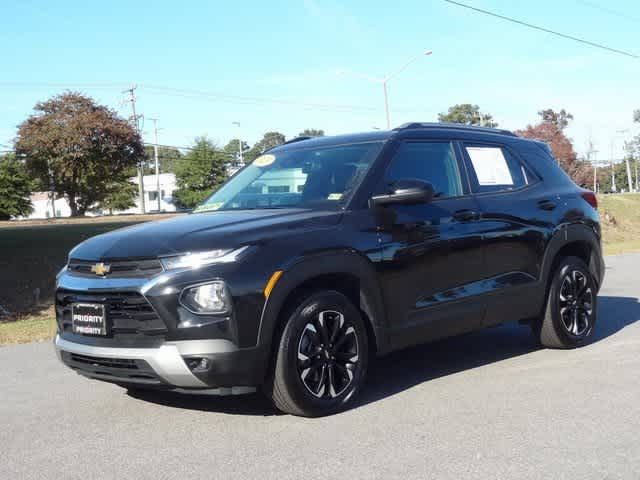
(576, 303)
(327, 354)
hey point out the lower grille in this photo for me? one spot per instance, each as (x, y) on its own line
(129, 314)
(117, 370)
(105, 362)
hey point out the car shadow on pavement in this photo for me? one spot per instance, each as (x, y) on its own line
(404, 369)
(253, 404)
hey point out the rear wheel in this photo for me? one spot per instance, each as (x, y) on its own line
(322, 356)
(571, 309)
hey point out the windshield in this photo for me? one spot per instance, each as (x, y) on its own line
(321, 177)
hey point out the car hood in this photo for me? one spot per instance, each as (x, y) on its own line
(202, 231)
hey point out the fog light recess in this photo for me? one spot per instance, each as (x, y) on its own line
(198, 364)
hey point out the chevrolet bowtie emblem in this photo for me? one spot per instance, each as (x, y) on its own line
(100, 269)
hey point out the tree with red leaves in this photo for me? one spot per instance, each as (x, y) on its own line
(551, 131)
(78, 149)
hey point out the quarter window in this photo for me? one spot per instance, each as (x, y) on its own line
(433, 162)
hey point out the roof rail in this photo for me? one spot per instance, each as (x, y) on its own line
(297, 139)
(457, 126)
(293, 140)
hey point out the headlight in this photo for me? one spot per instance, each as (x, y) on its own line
(199, 259)
(210, 298)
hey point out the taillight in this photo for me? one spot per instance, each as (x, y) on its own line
(590, 198)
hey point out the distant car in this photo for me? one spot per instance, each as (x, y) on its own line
(326, 252)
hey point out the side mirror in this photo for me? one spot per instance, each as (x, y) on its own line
(405, 192)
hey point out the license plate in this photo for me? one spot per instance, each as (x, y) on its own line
(88, 319)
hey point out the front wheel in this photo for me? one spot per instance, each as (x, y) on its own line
(571, 309)
(322, 356)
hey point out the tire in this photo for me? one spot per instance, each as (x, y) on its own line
(570, 313)
(322, 355)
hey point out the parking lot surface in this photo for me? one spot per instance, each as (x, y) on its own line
(487, 405)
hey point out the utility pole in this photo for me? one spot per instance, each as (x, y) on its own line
(239, 144)
(155, 156)
(621, 135)
(612, 165)
(594, 163)
(132, 99)
(629, 176)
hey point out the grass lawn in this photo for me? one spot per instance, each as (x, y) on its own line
(33, 327)
(620, 218)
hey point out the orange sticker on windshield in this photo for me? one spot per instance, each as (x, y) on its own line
(264, 160)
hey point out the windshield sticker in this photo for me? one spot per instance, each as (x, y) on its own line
(334, 196)
(264, 160)
(208, 207)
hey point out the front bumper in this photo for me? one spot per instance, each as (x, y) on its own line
(162, 367)
(146, 343)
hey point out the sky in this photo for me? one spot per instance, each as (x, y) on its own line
(201, 66)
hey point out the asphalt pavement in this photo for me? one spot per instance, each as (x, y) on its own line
(488, 405)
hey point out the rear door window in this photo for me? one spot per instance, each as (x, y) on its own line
(494, 168)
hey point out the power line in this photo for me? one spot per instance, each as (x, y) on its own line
(610, 11)
(179, 92)
(546, 30)
(217, 96)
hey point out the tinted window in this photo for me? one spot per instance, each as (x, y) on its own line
(314, 177)
(494, 169)
(433, 162)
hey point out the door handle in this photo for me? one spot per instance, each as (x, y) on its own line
(546, 205)
(465, 215)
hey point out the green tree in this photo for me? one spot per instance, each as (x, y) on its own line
(121, 193)
(311, 132)
(199, 173)
(467, 114)
(15, 188)
(77, 147)
(168, 157)
(233, 151)
(269, 140)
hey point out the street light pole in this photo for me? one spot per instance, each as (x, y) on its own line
(385, 80)
(386, 104)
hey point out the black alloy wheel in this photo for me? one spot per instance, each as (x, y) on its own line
(571, 309)
(322, 355)
(327, 354)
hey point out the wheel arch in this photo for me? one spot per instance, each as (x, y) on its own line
(575, 240)
(347, 272)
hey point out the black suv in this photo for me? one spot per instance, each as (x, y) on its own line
(326, 252)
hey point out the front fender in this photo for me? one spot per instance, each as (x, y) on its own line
(317, 264)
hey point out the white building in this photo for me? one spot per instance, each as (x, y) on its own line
(42, 203)
(167, 187)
